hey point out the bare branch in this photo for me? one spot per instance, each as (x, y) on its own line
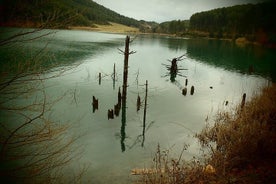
(132, 52)
(23, 125)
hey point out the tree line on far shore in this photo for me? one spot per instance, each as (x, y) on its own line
(256, 22)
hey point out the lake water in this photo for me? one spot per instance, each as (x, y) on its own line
(220, 71)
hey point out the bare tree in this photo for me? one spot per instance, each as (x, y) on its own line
(33, 148)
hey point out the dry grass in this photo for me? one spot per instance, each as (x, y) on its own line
(239, 148)
(164, 170)
(111, 28)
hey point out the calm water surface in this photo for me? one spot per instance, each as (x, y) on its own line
(218, 70)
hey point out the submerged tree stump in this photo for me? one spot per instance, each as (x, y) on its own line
(95, 104)
(110, 114)
(184, 91)
(117, 108)
(192, 90)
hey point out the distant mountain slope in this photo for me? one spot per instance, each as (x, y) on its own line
(59, 13)
(256, 21)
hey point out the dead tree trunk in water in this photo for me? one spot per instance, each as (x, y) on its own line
(126, 53)
(145, 114)
(124, 94)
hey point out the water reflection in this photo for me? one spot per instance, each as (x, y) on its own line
(247, 60)
(56, 48)
(250, 59)
(123, 130)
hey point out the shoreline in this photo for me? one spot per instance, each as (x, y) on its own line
(116, 28)
(122, 29)
(111, 28)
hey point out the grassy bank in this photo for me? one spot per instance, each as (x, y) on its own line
(238, 148)
(110, 28)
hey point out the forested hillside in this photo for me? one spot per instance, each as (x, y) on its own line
(256, 22)
(59, 13)
(171, 27)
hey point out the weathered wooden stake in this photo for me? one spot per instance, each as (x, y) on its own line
(145, 113)
(100, 78)
(186, 82)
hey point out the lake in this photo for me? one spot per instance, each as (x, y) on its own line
(220, 71)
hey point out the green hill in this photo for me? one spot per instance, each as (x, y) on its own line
(58, 14)
(255, 22)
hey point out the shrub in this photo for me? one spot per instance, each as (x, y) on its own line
(238, 148)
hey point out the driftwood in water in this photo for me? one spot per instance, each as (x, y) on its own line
(110, 114)
(184, 91)
(243, 100)
(138, 103)
(95, 104)
(192, 90)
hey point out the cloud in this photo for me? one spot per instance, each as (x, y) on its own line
(166, 10)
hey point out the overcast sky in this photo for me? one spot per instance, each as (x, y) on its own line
(166, 10)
